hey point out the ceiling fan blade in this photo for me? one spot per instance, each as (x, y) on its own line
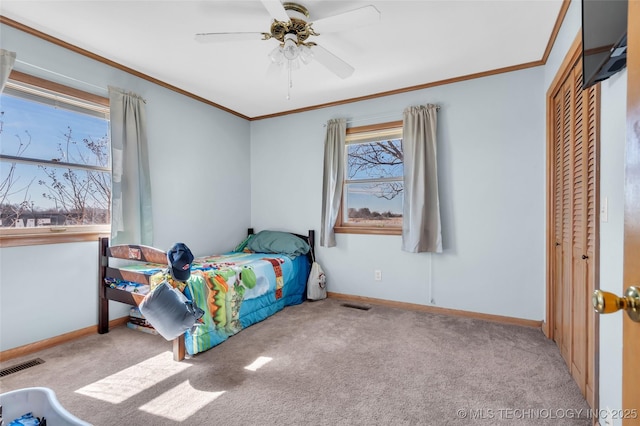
(332, 62)
(276, 10)
(366, 15)
(223, 37)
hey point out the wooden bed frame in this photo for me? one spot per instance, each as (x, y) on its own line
(143, 254)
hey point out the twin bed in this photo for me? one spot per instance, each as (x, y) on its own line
(265, 273)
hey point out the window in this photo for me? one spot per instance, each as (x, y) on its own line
(372, 194)
(55, 175)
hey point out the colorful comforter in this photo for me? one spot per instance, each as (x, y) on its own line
(239, 289)
(236, 290)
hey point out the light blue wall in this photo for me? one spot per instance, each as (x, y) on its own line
(612, 145)
(491, 144)
(200, 187)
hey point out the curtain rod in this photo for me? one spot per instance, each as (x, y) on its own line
(104, 89)
(396, 115)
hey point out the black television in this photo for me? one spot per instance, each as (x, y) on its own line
(604, 39)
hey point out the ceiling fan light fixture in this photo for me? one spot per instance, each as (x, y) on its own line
(290, 48)
(306, 54)
(277, 56)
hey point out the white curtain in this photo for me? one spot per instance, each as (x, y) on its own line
(7, 59)
(421, 230)
(131, 220)
(332, 179)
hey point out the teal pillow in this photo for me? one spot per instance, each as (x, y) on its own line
(278, 242)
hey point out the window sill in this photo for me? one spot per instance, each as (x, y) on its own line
(41, 236)
(369, 230)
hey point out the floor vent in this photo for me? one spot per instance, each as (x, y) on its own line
(356, 306)
(20, 367)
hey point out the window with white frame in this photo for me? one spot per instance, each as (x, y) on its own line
(55, 159)
(373, 187)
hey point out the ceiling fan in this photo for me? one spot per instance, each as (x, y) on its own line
(292, 29)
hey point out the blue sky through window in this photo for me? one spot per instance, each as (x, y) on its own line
(47, 126)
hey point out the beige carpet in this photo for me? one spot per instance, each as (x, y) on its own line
(318, 363)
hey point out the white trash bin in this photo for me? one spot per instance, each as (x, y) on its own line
(42, 402)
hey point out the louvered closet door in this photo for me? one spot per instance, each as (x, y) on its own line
(567, 238)
(558, 203)
(574, 181)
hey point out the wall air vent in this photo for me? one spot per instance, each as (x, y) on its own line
(356, 306)
(20, 367)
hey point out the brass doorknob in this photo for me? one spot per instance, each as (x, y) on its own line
(606, 303)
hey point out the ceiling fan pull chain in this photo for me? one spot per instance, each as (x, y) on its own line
(290, 85)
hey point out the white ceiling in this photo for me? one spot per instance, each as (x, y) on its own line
(415, 43)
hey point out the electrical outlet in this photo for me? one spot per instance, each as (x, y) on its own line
(377, 275)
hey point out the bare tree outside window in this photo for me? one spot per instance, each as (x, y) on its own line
(82, 195)
(54, 164)
(9, 183)
(374, 181)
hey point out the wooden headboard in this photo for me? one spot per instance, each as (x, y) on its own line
(138, 253)
(131, 252)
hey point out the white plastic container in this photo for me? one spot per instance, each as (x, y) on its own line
(42, 402)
